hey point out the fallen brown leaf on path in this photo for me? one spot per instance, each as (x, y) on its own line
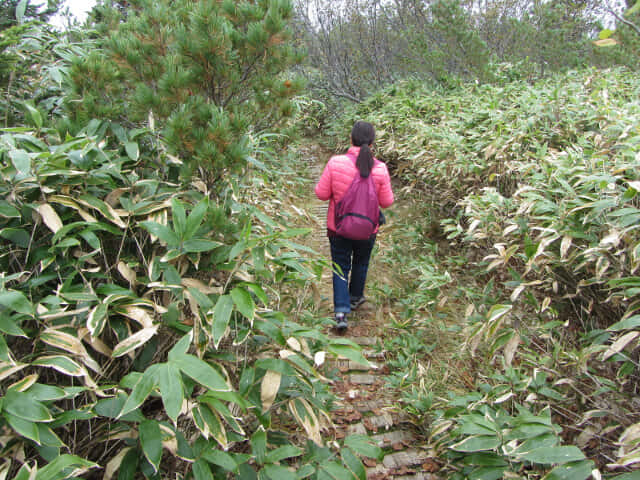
(369, 425)
(369, 462)
(430, 465)
(403, 471)
(378, 476)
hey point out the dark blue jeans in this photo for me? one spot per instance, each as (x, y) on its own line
(351, 256)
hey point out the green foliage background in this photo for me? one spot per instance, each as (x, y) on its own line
(151, 316)
(534, 187)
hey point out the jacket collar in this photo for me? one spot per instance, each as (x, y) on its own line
(353, 151)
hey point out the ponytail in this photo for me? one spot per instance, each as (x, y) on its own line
(363, 135)
(365, 161)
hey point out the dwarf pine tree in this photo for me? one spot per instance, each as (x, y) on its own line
(208, 71)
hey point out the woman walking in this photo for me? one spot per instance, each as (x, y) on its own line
(352, 256)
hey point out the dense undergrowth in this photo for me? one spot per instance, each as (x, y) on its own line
(525, 251)
(149, 326)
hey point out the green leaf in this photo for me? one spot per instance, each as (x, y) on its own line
(626, 324)
(201, 470)
(222, 459)
(163, 232)
(277, 472)
(628, 476)
(259, 445)
(244, 303)
(25, 406)
(487, 473)
(237, 249)
(354, 464)
(281, 453)
(34, 115)
(572, 471)
(20, 10)
(133, 151)
(9, 326)
(48, 437)
(24, 427)
(140, 391)
(277, 365)
(363, 445)
(199, 245)
(65, 466)
(110, 407)
(16, 301)
(485, 460)
(151, 441)
(171, 390)
(474, 424)
(97, 319)
(258, 291)
(221, 317)
(182, 346)
(551, 455)
(179, 218)
(201, 372)
(129, 465)
(8, 211)
(16, 235)
(195, 217)
(350, 351)
(45, 393)
(209, 423)
(336, 471)
(62, 364)
(21, 161)
(202, 299)
(477, 443)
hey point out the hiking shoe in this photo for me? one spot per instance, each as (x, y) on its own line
(356, 302)
(341, 321)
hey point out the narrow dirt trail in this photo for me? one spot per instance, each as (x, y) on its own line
(367, 406)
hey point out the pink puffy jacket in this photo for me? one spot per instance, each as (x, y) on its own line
(338, 175)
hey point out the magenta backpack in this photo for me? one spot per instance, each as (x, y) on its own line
(358, 213)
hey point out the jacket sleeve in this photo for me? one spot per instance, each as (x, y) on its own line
(385, 195)
(323, 188)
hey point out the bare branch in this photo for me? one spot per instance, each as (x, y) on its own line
(629, 24)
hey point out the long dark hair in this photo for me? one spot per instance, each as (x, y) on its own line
(362, 135)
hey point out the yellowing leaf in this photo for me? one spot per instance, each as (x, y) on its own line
(269, 389)
(50, 217)
(294, 344)
(516, 293)
(510, 349)
(319, 358)
(62, 364)
(498, 311)
(63, 341)
(7, 369)
(114, 464)
(619, 344)
(127, 273)
(134, 341)
(201, 286)
(565, 245)
(307, 419)
(138, 314)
